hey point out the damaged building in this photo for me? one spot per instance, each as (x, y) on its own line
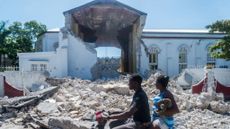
(71, 50)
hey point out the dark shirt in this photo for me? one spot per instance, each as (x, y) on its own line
(140, 100)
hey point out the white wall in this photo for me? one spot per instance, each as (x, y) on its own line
(80, 58)
(71, 58)
(48, 41)
(75, 58)
(55, 61)
(222, 75)
(144, 63)
(1, 86)
(196, 75)
(168, 57)
(20, 79)
(26, 59)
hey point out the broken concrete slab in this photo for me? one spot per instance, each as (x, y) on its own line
(116, 88)
(47, 107)
(68, 123)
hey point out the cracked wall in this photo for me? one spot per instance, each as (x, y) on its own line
(81, 58)
(103, 24)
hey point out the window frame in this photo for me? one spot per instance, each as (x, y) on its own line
(43, 67)
(34, 67)
(211, 61)
(183, 59)
(153, 58)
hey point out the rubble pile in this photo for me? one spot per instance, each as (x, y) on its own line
(75, 102)
(106, 68)
(201, 119)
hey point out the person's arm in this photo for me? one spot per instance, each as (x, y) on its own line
(126, 114)
(174, 109)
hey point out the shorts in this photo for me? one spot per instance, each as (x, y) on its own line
(160, 123)
(129, 125)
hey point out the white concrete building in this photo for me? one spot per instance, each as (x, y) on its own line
(71, 51)
(174, 50)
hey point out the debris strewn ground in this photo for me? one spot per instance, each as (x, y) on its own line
(76, 100)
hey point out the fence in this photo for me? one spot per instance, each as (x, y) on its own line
(9, 68)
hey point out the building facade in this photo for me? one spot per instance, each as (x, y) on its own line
(70, 51)
(174, 50)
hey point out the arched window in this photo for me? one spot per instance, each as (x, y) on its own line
(153, 58)
(211, 61)
(183, 58)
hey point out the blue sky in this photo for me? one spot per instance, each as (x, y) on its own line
(175, 14)
(162, 14)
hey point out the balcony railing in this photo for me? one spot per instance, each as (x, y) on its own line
(9, 68)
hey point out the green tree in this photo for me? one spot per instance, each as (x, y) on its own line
(222, 48)
(4, 32)
(21, 38)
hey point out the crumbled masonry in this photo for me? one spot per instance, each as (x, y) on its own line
(74, 103)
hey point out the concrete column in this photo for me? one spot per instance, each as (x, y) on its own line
(132, 54)
(1, 86)
(133, 49)
(125, 58)
(75, 29)
(134, 44)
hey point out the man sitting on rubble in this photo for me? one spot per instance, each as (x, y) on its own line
(139, 108)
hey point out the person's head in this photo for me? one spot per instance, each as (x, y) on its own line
(162, 82)
(135, 82)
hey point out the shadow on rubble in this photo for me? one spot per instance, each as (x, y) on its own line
(17, 107)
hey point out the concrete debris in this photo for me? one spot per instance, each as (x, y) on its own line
(35, 126)
(55, 81)
(1, 109)
(47, 107)
(38, 87)
(201, 119)
(25, 101)
(116, 88)
(68, 123)
(106, 68)
(75, 102)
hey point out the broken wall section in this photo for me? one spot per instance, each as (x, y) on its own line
(100, 30)
(143, 60)
(137, 42)
(81, 58)
(30, 80)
